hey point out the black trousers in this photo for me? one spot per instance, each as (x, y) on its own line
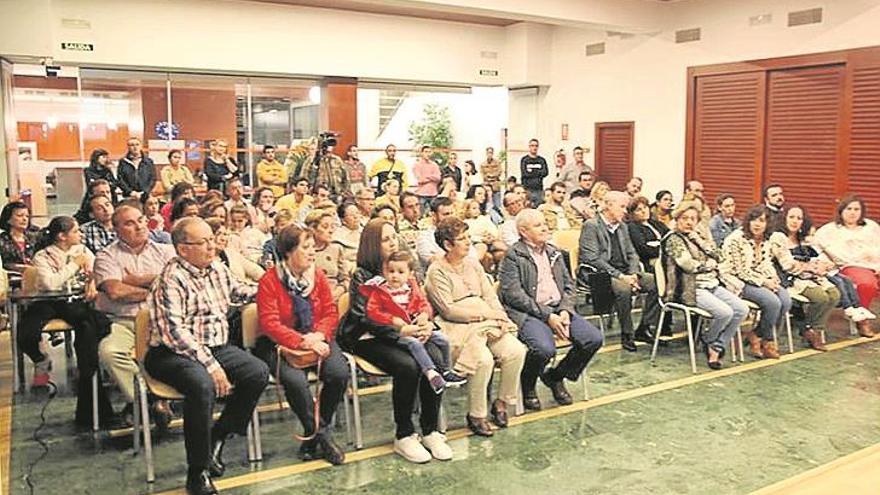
(90, 326)
(407, 381)
(334, 378)
(248, 376)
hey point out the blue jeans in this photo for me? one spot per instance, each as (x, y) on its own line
(728, 312)
(849, 298)
(774, 306)
(417, 349)
(538, 337)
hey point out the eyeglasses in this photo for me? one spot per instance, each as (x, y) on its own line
(201, 242)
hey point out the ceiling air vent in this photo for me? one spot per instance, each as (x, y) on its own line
(489, 55)
(687, 35)
(802, 17)
(595, 49)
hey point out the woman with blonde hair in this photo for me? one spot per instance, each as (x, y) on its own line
(391, 188)
(329, 255)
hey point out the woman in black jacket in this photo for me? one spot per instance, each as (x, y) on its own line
(644, 231)
(376, 344)
(99, 168)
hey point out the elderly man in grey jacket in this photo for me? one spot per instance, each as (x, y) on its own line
(537, 292)
(606, 246)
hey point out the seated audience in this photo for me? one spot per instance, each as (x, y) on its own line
(391, 188)
(235, 197)
(269, 257)
(558, 214)
(329, 255)
(691, 264)
(378, 243)
(348, 234)
(409, 222)
(124, 272)
(63, 263)
(18, 237)
(296, 200)
(484, 235)
(184, 207)
(851, 242)
(661, 210)
(176, 172)
(98, 187)
(471, 316)
(179, 191)
(802, 277)
(297, 311)
(605, 245)
(263, 202)
(99, 233)
(750, 258)
(644, 231)
(483, 196)
(189, 350)
(243, 269)
(724, 222)
(513, 204)
(537, 292)
(244, 237)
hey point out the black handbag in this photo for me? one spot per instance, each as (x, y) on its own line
(599, 294)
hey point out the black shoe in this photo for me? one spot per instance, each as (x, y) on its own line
(498, 413)
(479, 426)
(200, 484)
(644, 334)
(161, 413)
(627, 343)
(560, 394)
(308, 450)
(215, 463)
(329, 450)
(531, 402)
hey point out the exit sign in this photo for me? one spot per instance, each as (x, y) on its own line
(78, 47)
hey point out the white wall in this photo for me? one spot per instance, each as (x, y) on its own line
(230, 35)
(643, 79)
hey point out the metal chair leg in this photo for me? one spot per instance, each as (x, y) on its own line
(252, 456)
(690, 332)
(788, 329)
(657, 336)
(258, 438)
(349, 431)
(95, 385)
(356, 405)
(68, 344)
(136, 414)
(148, 440)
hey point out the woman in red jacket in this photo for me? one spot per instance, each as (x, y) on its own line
(297, 311)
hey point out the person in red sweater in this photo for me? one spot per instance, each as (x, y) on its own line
(395, 299)
(297, 311)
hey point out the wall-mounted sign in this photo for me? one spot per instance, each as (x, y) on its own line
(78, 47)
(488, 72)
(565, 132)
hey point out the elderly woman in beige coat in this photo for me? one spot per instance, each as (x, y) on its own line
(469, 313)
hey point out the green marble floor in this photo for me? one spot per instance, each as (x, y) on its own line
(730, 434)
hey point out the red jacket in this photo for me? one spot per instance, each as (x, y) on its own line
(275, 309)
(381, 308)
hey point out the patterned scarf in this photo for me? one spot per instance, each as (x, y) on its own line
(299, 290)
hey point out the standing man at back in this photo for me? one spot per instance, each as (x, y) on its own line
(428, 177)
(271, 173)
(533, 168)
(389, 168)
(492, 175)
(136, 171)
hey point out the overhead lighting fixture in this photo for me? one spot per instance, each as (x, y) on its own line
(315, 94)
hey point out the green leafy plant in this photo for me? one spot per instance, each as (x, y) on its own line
(434, 130)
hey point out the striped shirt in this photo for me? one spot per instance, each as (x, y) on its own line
(188, 308)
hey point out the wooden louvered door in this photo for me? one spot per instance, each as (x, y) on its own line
(728, 134)
(614, 153)
(803, 118)
(863, 176)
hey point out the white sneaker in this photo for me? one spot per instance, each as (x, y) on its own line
(411, 449)
(436, 443)
(853, 314)
(867, 315)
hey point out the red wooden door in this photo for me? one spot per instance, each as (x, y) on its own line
(614, 153)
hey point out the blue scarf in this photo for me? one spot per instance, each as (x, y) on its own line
(299, 290)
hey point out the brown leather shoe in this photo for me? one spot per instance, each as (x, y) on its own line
(865, 329)
(769, 349)
(479, 426)
(498, 413)
(814, 338)
(754, 344)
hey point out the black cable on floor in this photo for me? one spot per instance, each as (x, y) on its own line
(36, 437)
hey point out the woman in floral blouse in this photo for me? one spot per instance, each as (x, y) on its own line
(18, 237)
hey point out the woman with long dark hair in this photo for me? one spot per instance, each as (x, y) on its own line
(376, 344)
(64, 263)
(18, 238)
(99, 168)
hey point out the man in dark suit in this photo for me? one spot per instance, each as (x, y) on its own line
(605, 245)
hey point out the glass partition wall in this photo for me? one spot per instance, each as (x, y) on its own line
(61, 120)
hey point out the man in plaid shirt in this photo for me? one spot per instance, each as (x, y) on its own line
(99, 233)
(189, 349)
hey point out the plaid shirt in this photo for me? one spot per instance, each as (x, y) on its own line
(96, 237)
(188, 309)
